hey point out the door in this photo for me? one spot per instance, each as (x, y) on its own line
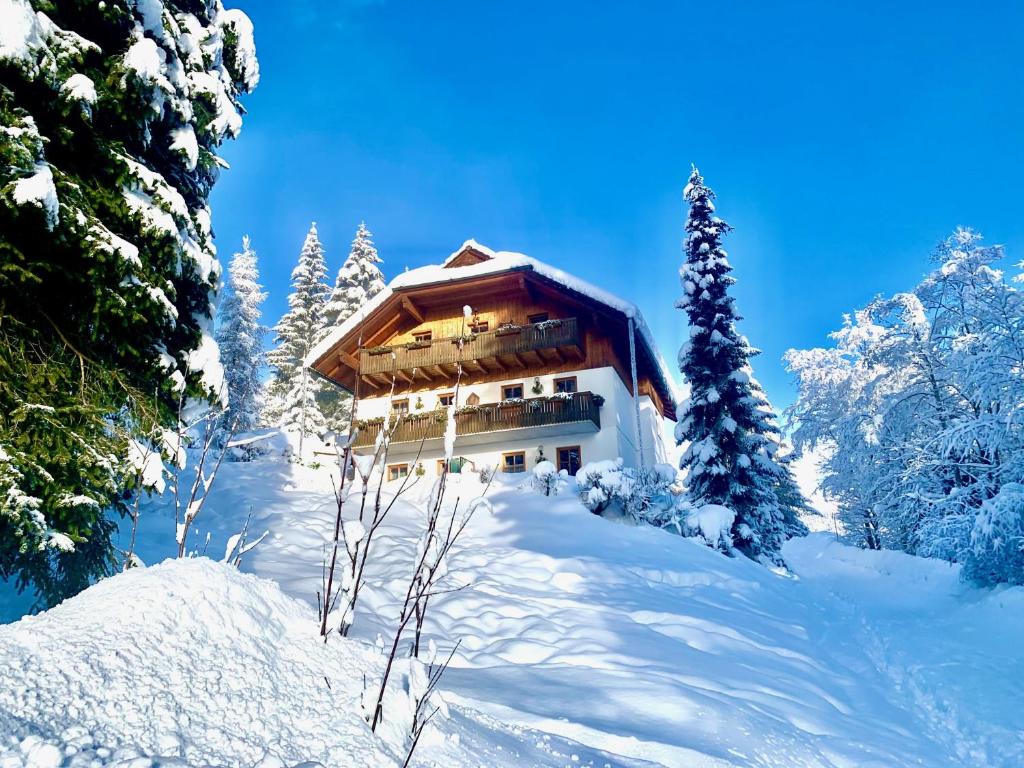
(569, 459)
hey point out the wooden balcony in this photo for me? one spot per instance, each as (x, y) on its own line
(580, 409)
(497, 350)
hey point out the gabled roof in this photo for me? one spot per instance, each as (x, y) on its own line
(473, 260)
(469, 254)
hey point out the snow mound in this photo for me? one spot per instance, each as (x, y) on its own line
(190, 660)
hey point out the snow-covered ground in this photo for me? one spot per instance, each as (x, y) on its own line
(583, 642)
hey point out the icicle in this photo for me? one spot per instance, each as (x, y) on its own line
(636, 390)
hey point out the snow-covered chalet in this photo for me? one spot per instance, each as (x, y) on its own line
(548, 368)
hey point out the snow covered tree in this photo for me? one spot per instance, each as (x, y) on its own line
(294, 391)
(792, 503)
(725, 422)
(110, 117)
(918, 407)
(358, 281)
(240, 338)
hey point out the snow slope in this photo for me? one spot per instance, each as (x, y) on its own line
(586, 641)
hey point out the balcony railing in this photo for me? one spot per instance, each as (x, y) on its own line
(499, 343)
(493, 417)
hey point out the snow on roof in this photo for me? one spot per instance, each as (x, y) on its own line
(496, 263)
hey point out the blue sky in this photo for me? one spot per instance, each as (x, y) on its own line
(843, 139)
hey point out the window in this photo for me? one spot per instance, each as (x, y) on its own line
(540, 317)
(569, 459)
(512, 392)
(454, 466)
(446, 399)
(422, 336)
(397, 471)
(400, 407)
(566, 384)
(479, 326)
(513, 462)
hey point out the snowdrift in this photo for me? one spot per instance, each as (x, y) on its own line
(189, 659)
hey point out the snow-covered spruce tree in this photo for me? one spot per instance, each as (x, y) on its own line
(726, 421)
(293, 390)
(358, 281)
(240, 338)
(792, 503)
(110, 116)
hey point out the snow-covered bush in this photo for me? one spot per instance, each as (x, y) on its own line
(644, 494)
(711, 523)
(997, 539)
(598, 483)
(547, 479)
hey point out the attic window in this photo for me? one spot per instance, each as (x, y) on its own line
(479, 326)
(540, 317)
(423, 336)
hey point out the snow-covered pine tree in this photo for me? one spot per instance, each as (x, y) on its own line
(725, 421)
(110, 117)
(294, 390)
(358, 281)
(240, 338)
(792, 502)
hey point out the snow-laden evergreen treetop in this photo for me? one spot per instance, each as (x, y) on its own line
(294, 390)
(726, 422)
(358, 280)
(240, 338)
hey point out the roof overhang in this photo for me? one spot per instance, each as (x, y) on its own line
(402, 306)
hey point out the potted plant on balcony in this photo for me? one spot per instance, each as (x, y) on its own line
(378, 350)
(424, 344)
(507, 329)
(598, 400)
(545, 324)
(372, 422)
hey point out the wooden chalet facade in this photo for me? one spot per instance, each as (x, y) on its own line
(545, 360)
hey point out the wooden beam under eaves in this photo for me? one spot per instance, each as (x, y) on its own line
(349, 359)
(410, 306)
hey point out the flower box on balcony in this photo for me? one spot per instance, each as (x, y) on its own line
(508, 329)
